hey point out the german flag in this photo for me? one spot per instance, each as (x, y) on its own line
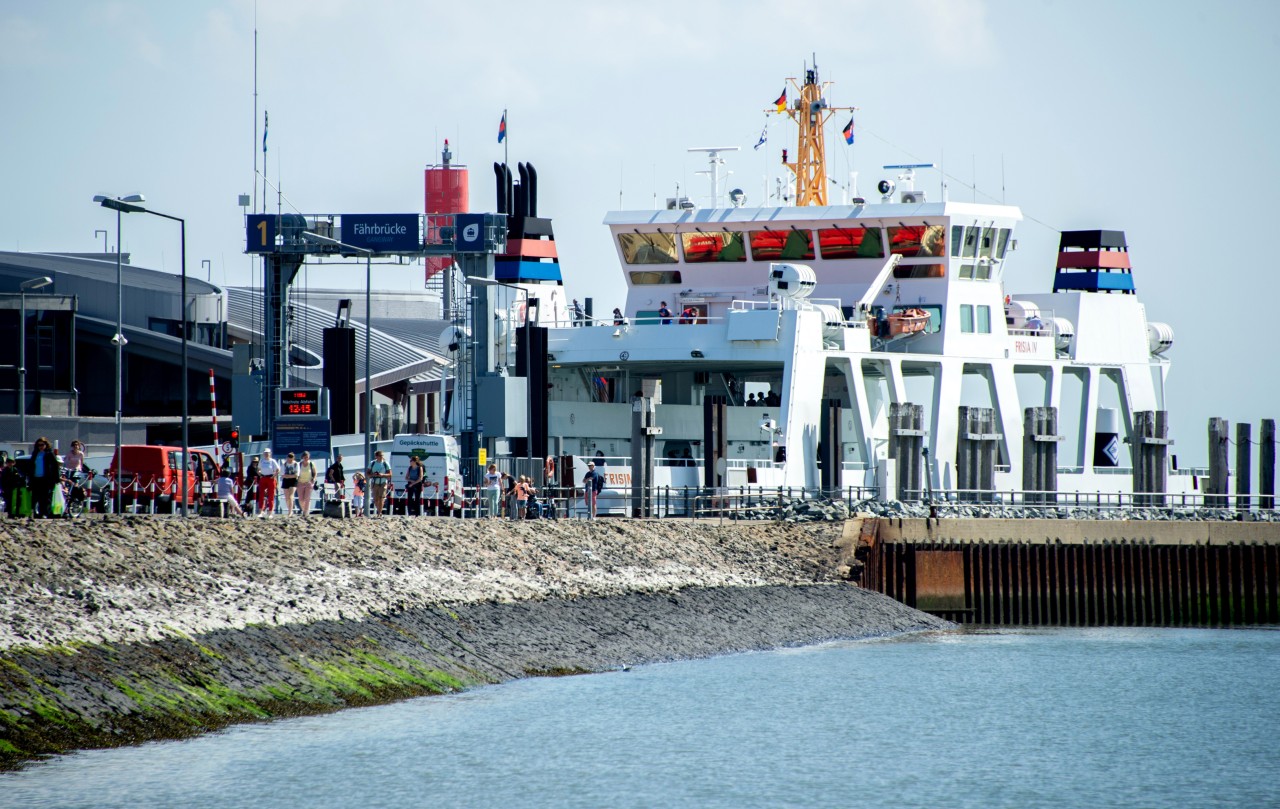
(781, 103)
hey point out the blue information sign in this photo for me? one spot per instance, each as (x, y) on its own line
(469, 233)
(301, 435)
(260, 233)
(382, 232)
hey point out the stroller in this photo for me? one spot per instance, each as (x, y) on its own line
(79, 491)
(536, 509)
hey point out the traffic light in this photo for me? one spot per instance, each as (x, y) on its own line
(235, 439)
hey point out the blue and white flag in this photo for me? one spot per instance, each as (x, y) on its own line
(264, 131)
(764, 136)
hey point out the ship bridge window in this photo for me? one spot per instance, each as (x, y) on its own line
(980, 272)
(851, 242)
(781, 245)
(994, 242)
(920, 271)
(648, 248)
(647, 277)
(910, 241)
(701, 247)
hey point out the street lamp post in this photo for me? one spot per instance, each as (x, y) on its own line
(34, 283)
(368, 373)
(477, 281)
(120, 205)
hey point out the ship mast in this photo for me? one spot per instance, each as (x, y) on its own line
(810, 112)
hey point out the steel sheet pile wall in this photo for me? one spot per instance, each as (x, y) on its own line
(1092, 583)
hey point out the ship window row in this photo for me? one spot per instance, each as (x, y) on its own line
(974, 241)
(975, 319)
(785, 244)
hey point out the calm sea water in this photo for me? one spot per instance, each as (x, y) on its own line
(1106, 717)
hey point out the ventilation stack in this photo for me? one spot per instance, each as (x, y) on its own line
(446, 194)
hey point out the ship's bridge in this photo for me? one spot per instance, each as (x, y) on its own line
(951, 255)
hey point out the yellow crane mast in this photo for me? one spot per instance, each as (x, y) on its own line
(810, 112)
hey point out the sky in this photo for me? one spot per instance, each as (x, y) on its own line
(1147, 117)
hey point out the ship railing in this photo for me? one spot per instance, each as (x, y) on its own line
(1046, 329)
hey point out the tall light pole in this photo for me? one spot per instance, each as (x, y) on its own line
(120, 205)
(104, 240)
(478, 281)
(34, 283)
(368, 373)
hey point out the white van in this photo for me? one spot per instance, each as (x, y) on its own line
(442, 490)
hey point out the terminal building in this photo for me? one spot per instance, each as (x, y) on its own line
(67, 328)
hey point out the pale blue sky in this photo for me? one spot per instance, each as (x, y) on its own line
(1156, 118)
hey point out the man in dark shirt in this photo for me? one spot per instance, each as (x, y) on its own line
(665, 314)
(336, 477)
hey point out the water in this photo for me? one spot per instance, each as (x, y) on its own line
(1103, 717)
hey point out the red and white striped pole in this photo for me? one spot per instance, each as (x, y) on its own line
(213, 405)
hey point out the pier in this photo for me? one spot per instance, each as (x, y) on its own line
(1073, 573)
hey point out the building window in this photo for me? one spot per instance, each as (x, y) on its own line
(966, 318)
(45, 354)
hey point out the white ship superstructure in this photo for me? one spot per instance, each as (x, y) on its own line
(899, 299)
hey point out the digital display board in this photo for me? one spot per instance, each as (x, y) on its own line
(297, 402)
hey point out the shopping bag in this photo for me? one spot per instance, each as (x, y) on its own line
(58, 504)
(22, 502)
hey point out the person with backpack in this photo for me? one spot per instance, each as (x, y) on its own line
(592, 484)
(414, 480)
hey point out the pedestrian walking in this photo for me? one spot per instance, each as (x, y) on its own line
(379, 477)
(492, 489)
(592, 484)
(414, 479)
(307, 477)
(523, 485)
(289, 482)
(358, 485)
(269, 476)
(250, 491)
(336, 477)
(43, 474)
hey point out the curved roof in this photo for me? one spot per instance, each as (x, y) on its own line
(400, 349)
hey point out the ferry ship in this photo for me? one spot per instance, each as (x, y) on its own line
(792, 313)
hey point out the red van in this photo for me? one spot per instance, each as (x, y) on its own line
(153, 473)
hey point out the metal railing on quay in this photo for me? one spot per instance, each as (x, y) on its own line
(1167, 502)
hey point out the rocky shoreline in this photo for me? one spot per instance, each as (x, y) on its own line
(118, 630)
